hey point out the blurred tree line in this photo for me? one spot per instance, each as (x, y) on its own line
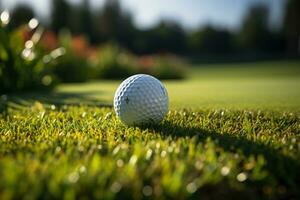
(112, 23)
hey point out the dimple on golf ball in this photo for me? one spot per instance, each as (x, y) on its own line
(141, 99)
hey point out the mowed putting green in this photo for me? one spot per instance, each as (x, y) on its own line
(232, 132)
(270, 85)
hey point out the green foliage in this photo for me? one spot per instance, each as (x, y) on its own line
(167, 67)
(71, 67)
(86, 153)
(22, 68)
(114, 63)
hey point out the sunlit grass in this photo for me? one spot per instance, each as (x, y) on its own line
(265, 85)
(226, 137)
(85, 152)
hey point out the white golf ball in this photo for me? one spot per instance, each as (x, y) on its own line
(141, 99)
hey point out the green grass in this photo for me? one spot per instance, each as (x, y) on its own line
(232, 132)
(265, 85)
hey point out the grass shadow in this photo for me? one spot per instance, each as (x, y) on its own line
(283, 167)
(59, 99)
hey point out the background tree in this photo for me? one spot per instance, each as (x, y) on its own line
(114, 24)
(171, 35)
(292, 27)
(86, 19)
(255, 34)
(59, 16)
(166, 36)
(212, 41)
(21, 14)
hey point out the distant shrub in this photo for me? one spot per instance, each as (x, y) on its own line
(74, 66)
(114, 63)
(22, 65)
(164, 66)
(71, 68)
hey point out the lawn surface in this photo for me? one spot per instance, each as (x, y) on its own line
(271, 85)
(232, 132)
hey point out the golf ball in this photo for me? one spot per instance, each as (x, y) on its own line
(141, 99)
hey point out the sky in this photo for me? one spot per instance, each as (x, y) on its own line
(191, 13)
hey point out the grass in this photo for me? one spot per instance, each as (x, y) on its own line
(232, 132)
(265, 85)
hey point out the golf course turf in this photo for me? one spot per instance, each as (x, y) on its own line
(233, 131)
